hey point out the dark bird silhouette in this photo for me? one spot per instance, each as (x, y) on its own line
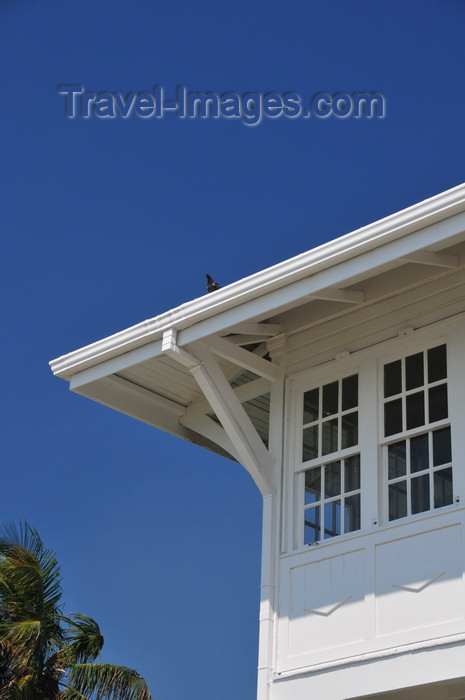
(212, 286)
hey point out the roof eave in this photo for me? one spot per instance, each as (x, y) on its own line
(261, 284)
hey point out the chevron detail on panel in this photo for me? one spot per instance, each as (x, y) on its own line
(327, 610)
(421, 584)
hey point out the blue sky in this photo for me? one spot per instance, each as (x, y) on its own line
(108, 222)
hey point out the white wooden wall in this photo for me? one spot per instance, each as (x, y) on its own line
(383, 608)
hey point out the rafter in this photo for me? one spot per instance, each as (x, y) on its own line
(142, 404)
(245, 392)
(261, 329)
(159, 401)
(424, 257)
(248, 360)
(209, 428)
(343, 295)
(244, 339)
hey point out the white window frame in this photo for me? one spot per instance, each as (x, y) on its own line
(298, 467)
(427, 428)
(369, 365)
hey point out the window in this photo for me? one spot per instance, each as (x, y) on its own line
(329, 443)
(418, 451)
(332, 499)
(373, 444)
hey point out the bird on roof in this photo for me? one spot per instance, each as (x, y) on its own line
(212, 286)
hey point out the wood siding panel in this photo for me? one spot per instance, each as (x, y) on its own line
(419, 581)
(172, 382)
(376, 322)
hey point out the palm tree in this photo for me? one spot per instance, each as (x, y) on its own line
(45, 655)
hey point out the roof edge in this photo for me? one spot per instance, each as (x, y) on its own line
(392, 227)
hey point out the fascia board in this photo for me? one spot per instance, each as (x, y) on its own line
(256, 294)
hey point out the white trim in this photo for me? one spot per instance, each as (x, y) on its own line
(368, 364)
(244, 392)
(244, 358)
(255, 295)
(253, 454)
(437, 259)
(371, 656)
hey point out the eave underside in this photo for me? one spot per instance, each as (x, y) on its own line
(164, 393)
(171, 381)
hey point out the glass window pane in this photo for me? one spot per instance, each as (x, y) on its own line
(397, 460)
(330, 398)
(414, 374)
(442, 453)
(312, 525)
(438, 403)
(311, 411)
(415, 410)
(437, 363)
(398, 500)
(393, 417)
(332, 479)
(312, 485)
(350, 392)
(352, 513)
(332, 519)
(349, 436)
(329, 436)
(392, 378)
(419, 457)
(420, 494)
(352, 473)
(443, 487)
(309, 443)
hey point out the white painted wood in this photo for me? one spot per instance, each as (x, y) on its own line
(271, 528)
(376, 611)
(260, 329)
(267, 617)
(254, 455)
(408, 588)
(159, 402)
(244, 392)
(323, 578)
(129, 399)
(456, 394)
(172, 349)
(407, 675)
(375, 323)
(83, 374)
(244, 358)
(343, 295)
(173, 381)
(437, 259)
(244, 339)
(437, 221)
(206, 426)
(234, 372)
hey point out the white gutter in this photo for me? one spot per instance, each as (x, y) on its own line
(391, 228)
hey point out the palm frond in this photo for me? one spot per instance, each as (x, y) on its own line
(30, 592)
(109, 682)
(71, 694)
(20, 687)
(26, 565)
(43, 654)
(20, 633)
(85, 641)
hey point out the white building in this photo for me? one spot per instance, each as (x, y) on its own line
(337, 379)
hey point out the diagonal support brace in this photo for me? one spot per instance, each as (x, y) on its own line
(253, 454)
(249, 447)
